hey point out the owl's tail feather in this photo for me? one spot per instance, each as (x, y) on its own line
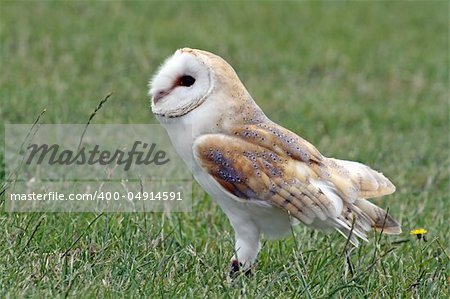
(380, 220)
(362, 216)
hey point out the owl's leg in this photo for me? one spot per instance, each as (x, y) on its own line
(246, 248)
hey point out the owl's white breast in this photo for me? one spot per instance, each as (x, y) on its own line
(205, 119)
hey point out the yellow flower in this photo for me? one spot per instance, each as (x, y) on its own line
(419, 233)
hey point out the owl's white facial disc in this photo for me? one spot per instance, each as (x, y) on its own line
(181, 84)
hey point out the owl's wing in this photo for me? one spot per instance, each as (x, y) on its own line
(351, 180)
(251, 171)
(368, 182)
(268, 163)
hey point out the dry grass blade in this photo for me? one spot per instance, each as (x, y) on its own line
(31, 133)
(99, 106)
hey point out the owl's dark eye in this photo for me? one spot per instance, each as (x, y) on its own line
(186, 81)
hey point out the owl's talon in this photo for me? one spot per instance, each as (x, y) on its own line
(235, 270)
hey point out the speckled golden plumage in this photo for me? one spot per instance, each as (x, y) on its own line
(263, 162)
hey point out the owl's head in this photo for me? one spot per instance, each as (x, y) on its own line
(187, 78)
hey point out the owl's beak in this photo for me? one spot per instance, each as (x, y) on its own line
(159, 95)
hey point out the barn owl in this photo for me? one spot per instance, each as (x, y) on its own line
(263, 176)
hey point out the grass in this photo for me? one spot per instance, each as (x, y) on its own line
(365, 81)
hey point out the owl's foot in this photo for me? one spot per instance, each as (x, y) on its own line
(237, 268)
